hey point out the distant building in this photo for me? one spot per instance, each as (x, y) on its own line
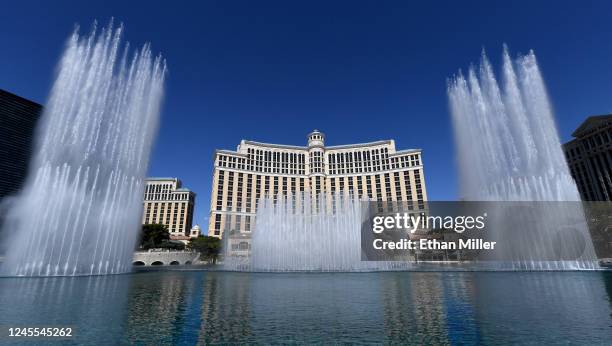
(18, 117)
(589, 156)
(195, 231)
(374, 170)
(167, 202)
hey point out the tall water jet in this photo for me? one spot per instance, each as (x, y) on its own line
(297, 233)
(79, 211)
(509, 150)
(307, 232)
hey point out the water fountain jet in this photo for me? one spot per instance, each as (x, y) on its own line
(79, 211)
(307, 232)
(509, 150)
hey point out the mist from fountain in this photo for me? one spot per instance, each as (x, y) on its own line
(509, 150)
(79, 211)
(302, 232)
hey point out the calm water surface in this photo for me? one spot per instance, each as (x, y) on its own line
(197, 307)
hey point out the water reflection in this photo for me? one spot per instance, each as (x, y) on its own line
(460, 300)
(225, 308)
(157, 307)
(414, 308)
(191, 307)
(93, 306)
(321, 308)
(544, 308)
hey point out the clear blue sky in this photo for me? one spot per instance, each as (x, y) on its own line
(357, 70)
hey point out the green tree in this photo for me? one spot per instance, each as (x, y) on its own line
(172, 245)
(153, 236)
(208, 247)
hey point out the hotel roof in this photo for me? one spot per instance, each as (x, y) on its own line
(331, 147)
(590, 123)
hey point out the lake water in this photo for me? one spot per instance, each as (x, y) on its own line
(197, 307)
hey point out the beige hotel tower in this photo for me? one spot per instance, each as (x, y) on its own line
(256, 170)
(166, 202)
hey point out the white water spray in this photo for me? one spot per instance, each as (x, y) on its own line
(79, 212)
(302, 232)
(509, 150)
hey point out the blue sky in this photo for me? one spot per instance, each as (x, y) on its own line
(357, 70)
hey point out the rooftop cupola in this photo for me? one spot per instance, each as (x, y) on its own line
(316, 139)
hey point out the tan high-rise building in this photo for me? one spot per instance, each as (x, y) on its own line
(167, 202)
(374, 170)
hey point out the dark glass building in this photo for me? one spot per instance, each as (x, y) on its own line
(589, 156)
(18, 117)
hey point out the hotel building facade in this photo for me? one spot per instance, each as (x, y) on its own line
(18, 119)
(375, 170)
(166, 202)
(589, 156)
